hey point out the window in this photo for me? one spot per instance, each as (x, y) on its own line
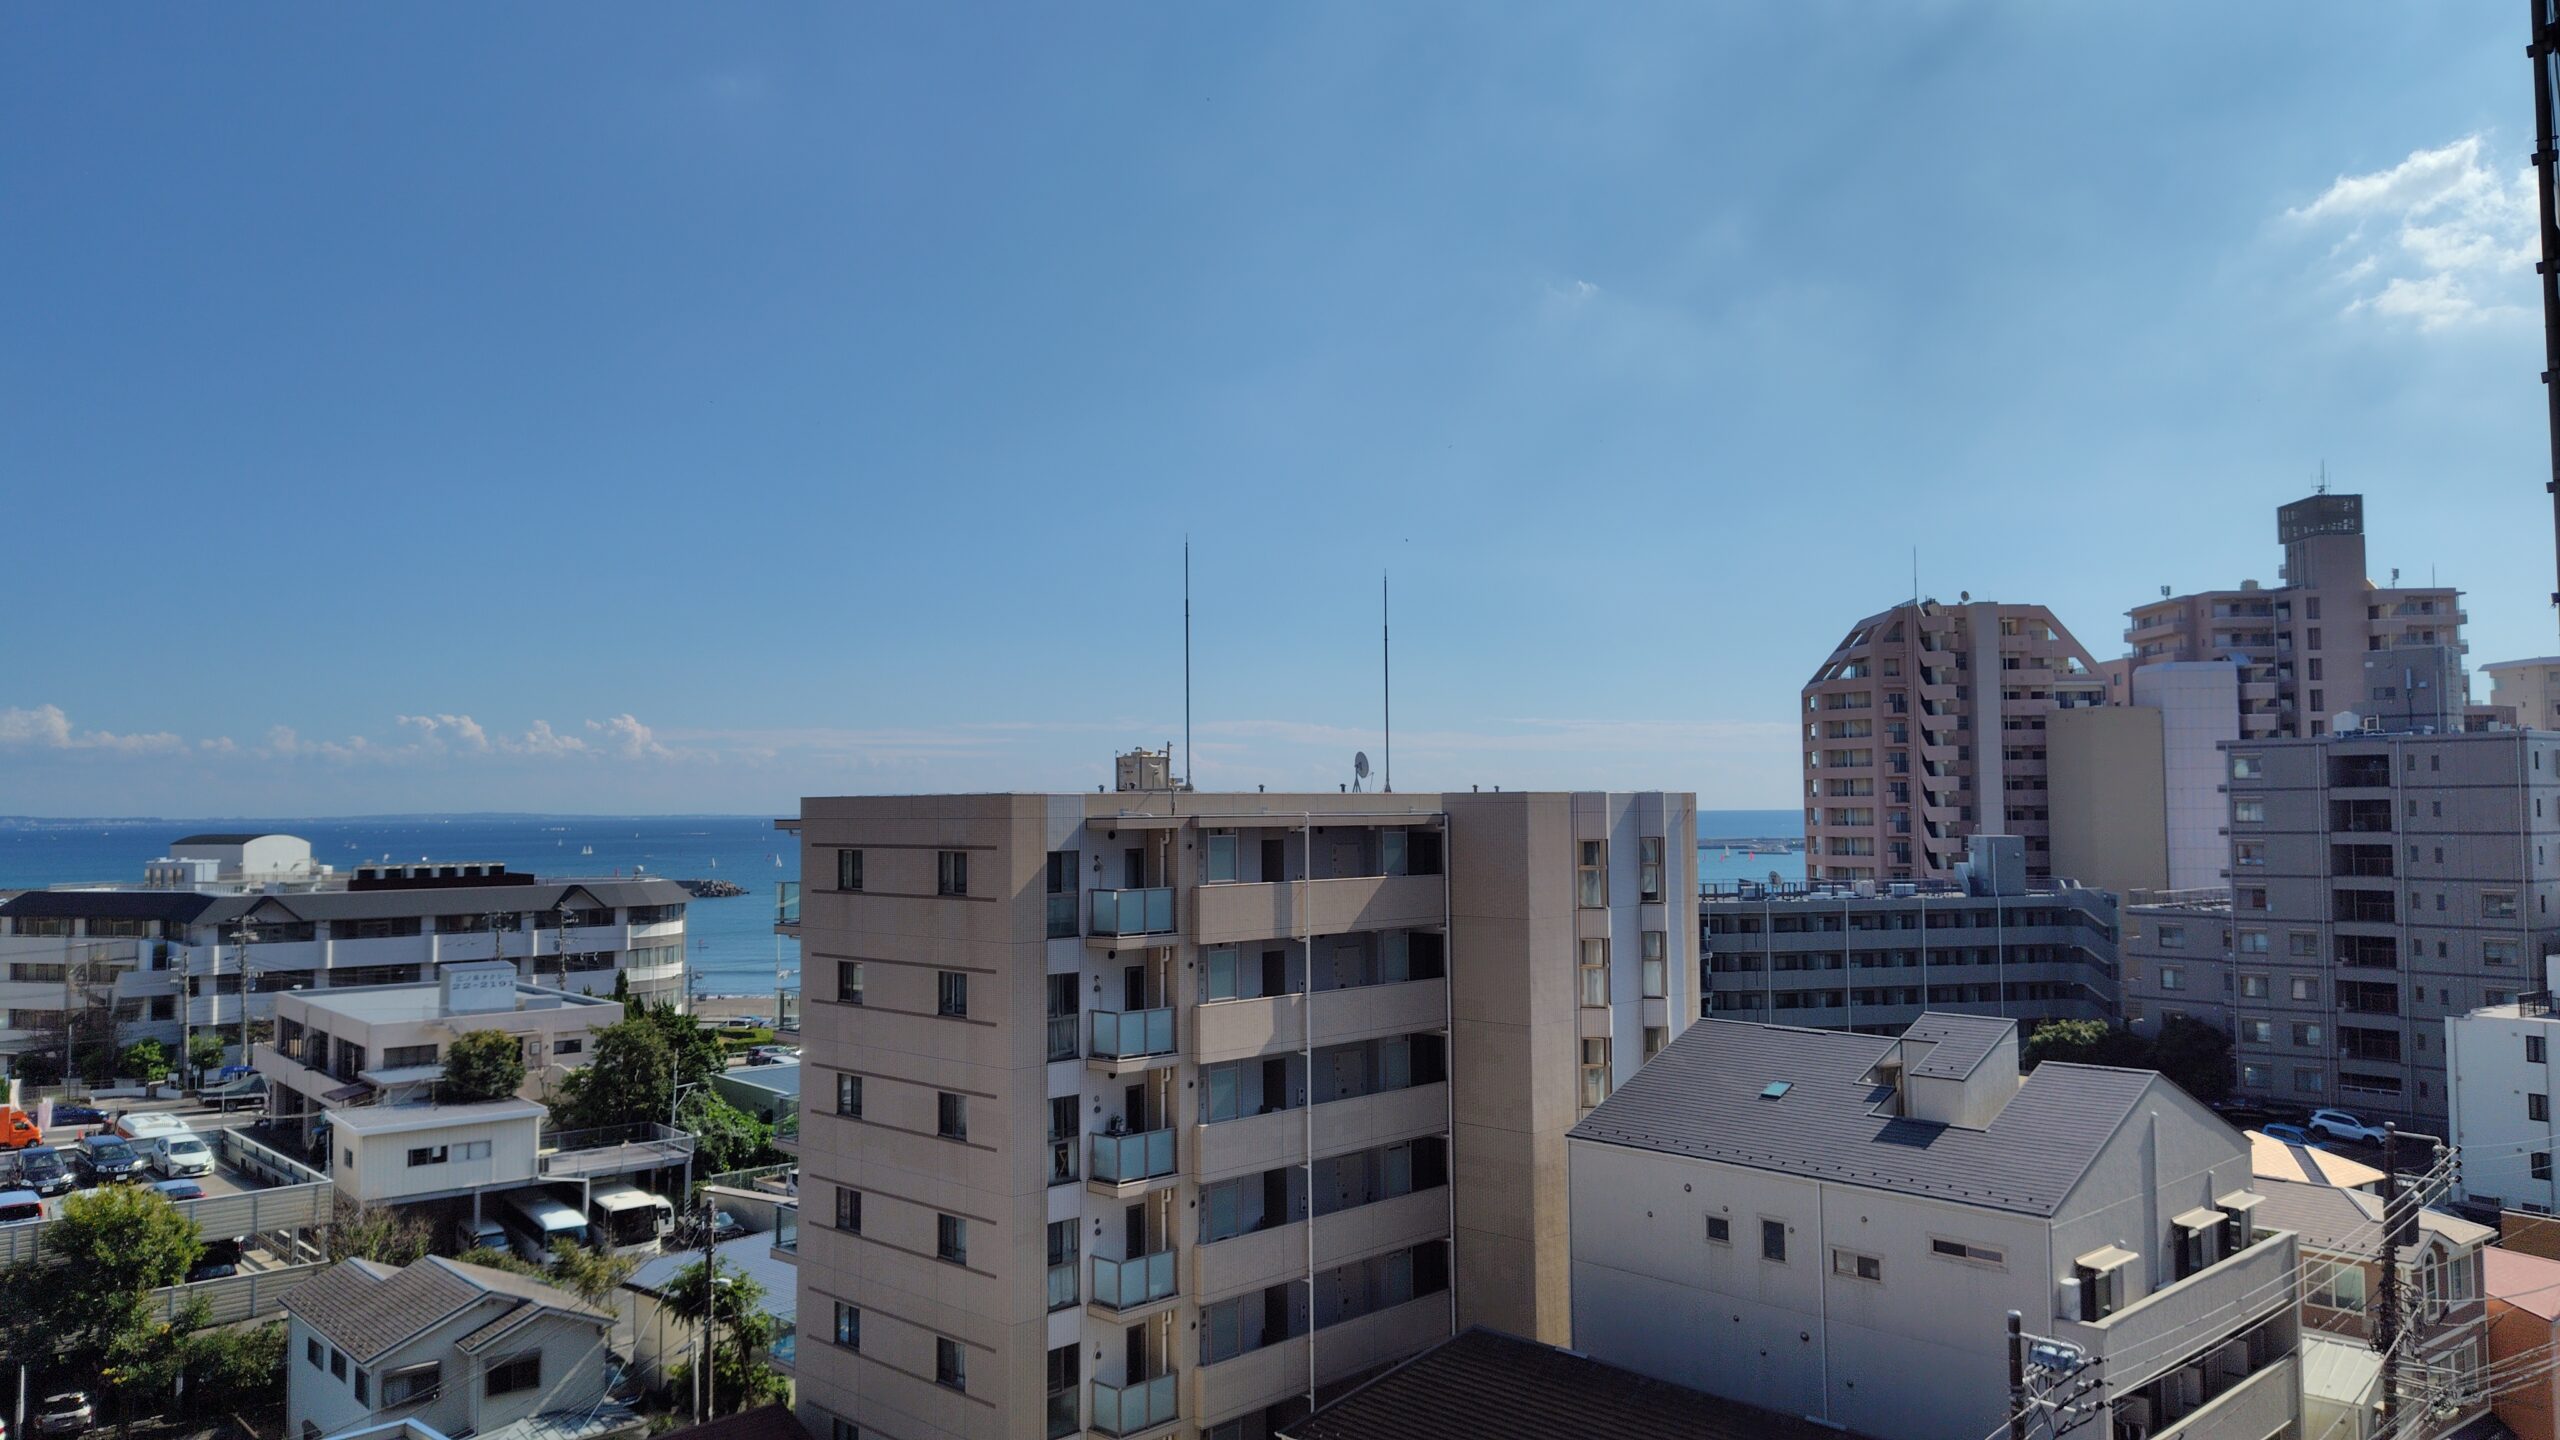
(1595, 1071)
(849, 981)
(2533, 1051)
(1655, 1038)
(2541, 1161)
(402, 1057)
(2258, 1032)
(839, 1428)
(427, 1155)
(1653, 971)
(951, 1239)
(2301, 942)
(2254, 942)
(849, 1095)
(2494, 904)
(2338, 1287)
(848, 1326)
(2249, 852)
(2306, 1036)
(1649, 869)
(2537, 1107)
(2247, 767)
(568, 1047)
(848, 869)
(2308, 1081)
(1595, 973)
(2098, 1291)
(2304, 987)
(411, 1382)
(1773, 1240)
(951, 1116)
(1719, 1230)
(1857, 1266)
(518, 1372)
(312, 1351)
(364, 1389)
(2249, 812)
(951, 993)
(2172, 937)
(2172, 978)
(1591, 874)
(2253, 987)
(950, 1366)
(848, 1210)
(1061, 898)
(1065, 1371)
(951, 872)
(2254, 1077)
(1965, 1250)
(338, 1364)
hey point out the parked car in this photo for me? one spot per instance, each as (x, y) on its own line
(65, 1414)
(179, 1189)
(179, 1155)
(78, 1115)
(2289, 1134)
(40, 1168)
(2340, 1125)
(101, 1159)
(737, 1022)
(725, 1226)
(245, 1090)
(772, 1055)
(20, 1207)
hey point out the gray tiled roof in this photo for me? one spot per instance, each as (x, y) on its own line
(368, 1310)
(2334, 1221)
(1703, 1098)
(1958, 1042)
(1485, 1385)
(458, 900)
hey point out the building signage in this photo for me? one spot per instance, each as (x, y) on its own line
(478, 987)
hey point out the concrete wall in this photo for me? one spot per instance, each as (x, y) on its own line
(382, 1171)
(2108, 797)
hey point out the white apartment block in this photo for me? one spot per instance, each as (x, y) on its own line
(2498, 1062)
(1163, 1113)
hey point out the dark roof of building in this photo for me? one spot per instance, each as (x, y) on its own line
(179, 905)
(765, 1422)
(1485, 1385)
(2333, 1221)
(1958, 1043)
(226, 838)
(1707, 1097)
(368, 1310)
(458, 900)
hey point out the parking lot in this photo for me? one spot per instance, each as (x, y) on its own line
(266, 1201)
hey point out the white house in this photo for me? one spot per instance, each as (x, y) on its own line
(402, 1154)
(2499, 1089)
(460, 1348)
(1837, 1225)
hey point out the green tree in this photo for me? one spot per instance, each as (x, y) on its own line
(588, 1273)
(2085, 1042)
(724, 1136)
(235, 1369)
(743, 1335)
(2196, 1057)
(146, 1061)
(371, 1232)
(481, 1065)
(204, 1052)
(107, 1251)
(506, 1260)
(630, 1067)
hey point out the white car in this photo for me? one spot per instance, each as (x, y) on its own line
(179, 1155)
(2339, 1125)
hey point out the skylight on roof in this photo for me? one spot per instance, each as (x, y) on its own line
(1774, 1089)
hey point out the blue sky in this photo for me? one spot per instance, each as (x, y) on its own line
(645, 408)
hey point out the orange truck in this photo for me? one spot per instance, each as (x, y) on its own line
(17, 1129)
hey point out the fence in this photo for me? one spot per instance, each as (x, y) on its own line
(297, 1198)
(246, 1296)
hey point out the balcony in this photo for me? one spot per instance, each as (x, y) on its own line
(2158, 1332)
(1244, 1383)
(1231, 1029)
(1125, 1285)
(2264, 1404)
(1131, 1040)
(786, 904)
(1278, 1137)
(1232, 913)
(1121, 914)
(1269, 1257)
(1123, 1164)
(1135, 1408)
(613, 1150)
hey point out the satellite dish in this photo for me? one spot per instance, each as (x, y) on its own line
(1360, 765)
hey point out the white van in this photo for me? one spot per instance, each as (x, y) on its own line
(535, 1222)
(627, 1220)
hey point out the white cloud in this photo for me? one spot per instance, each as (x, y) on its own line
(466, 732)
(543, 740)
(631, 739)
(46, 727)
(2439, 240)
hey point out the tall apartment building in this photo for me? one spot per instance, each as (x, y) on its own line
(1991, 943)
(1926, 726)
(1848, 1226)
(2531, 688)
(2327, 640)
(2381, 884)
(1158, 1112)
(165, 956)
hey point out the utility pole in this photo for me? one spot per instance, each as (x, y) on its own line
(707, 1386)
(2544, 51)
(2387, 1333)
(245, 934)
(2017, 1377)
(560, 945)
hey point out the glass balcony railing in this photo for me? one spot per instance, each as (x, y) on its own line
(1133, 912)
(1128, 1409)
(1128, 1284)
(1121, 1159)
(786, 902)
(1131, 1034)
(1062, 916)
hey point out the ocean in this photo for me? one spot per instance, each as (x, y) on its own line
(735, 951)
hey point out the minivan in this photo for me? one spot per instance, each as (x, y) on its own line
(104, 1158)
(20, 1207)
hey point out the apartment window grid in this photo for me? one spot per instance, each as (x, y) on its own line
(951, 872)
(1594, 970)
(1591, 874)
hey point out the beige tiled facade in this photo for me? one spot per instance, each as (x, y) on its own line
(2326, 640)
(1082, 1149)
(1926, 725)
(2530, 688)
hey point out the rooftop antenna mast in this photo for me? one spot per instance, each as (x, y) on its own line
(2544, 51)
(1186, 662)
(1387, 678)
